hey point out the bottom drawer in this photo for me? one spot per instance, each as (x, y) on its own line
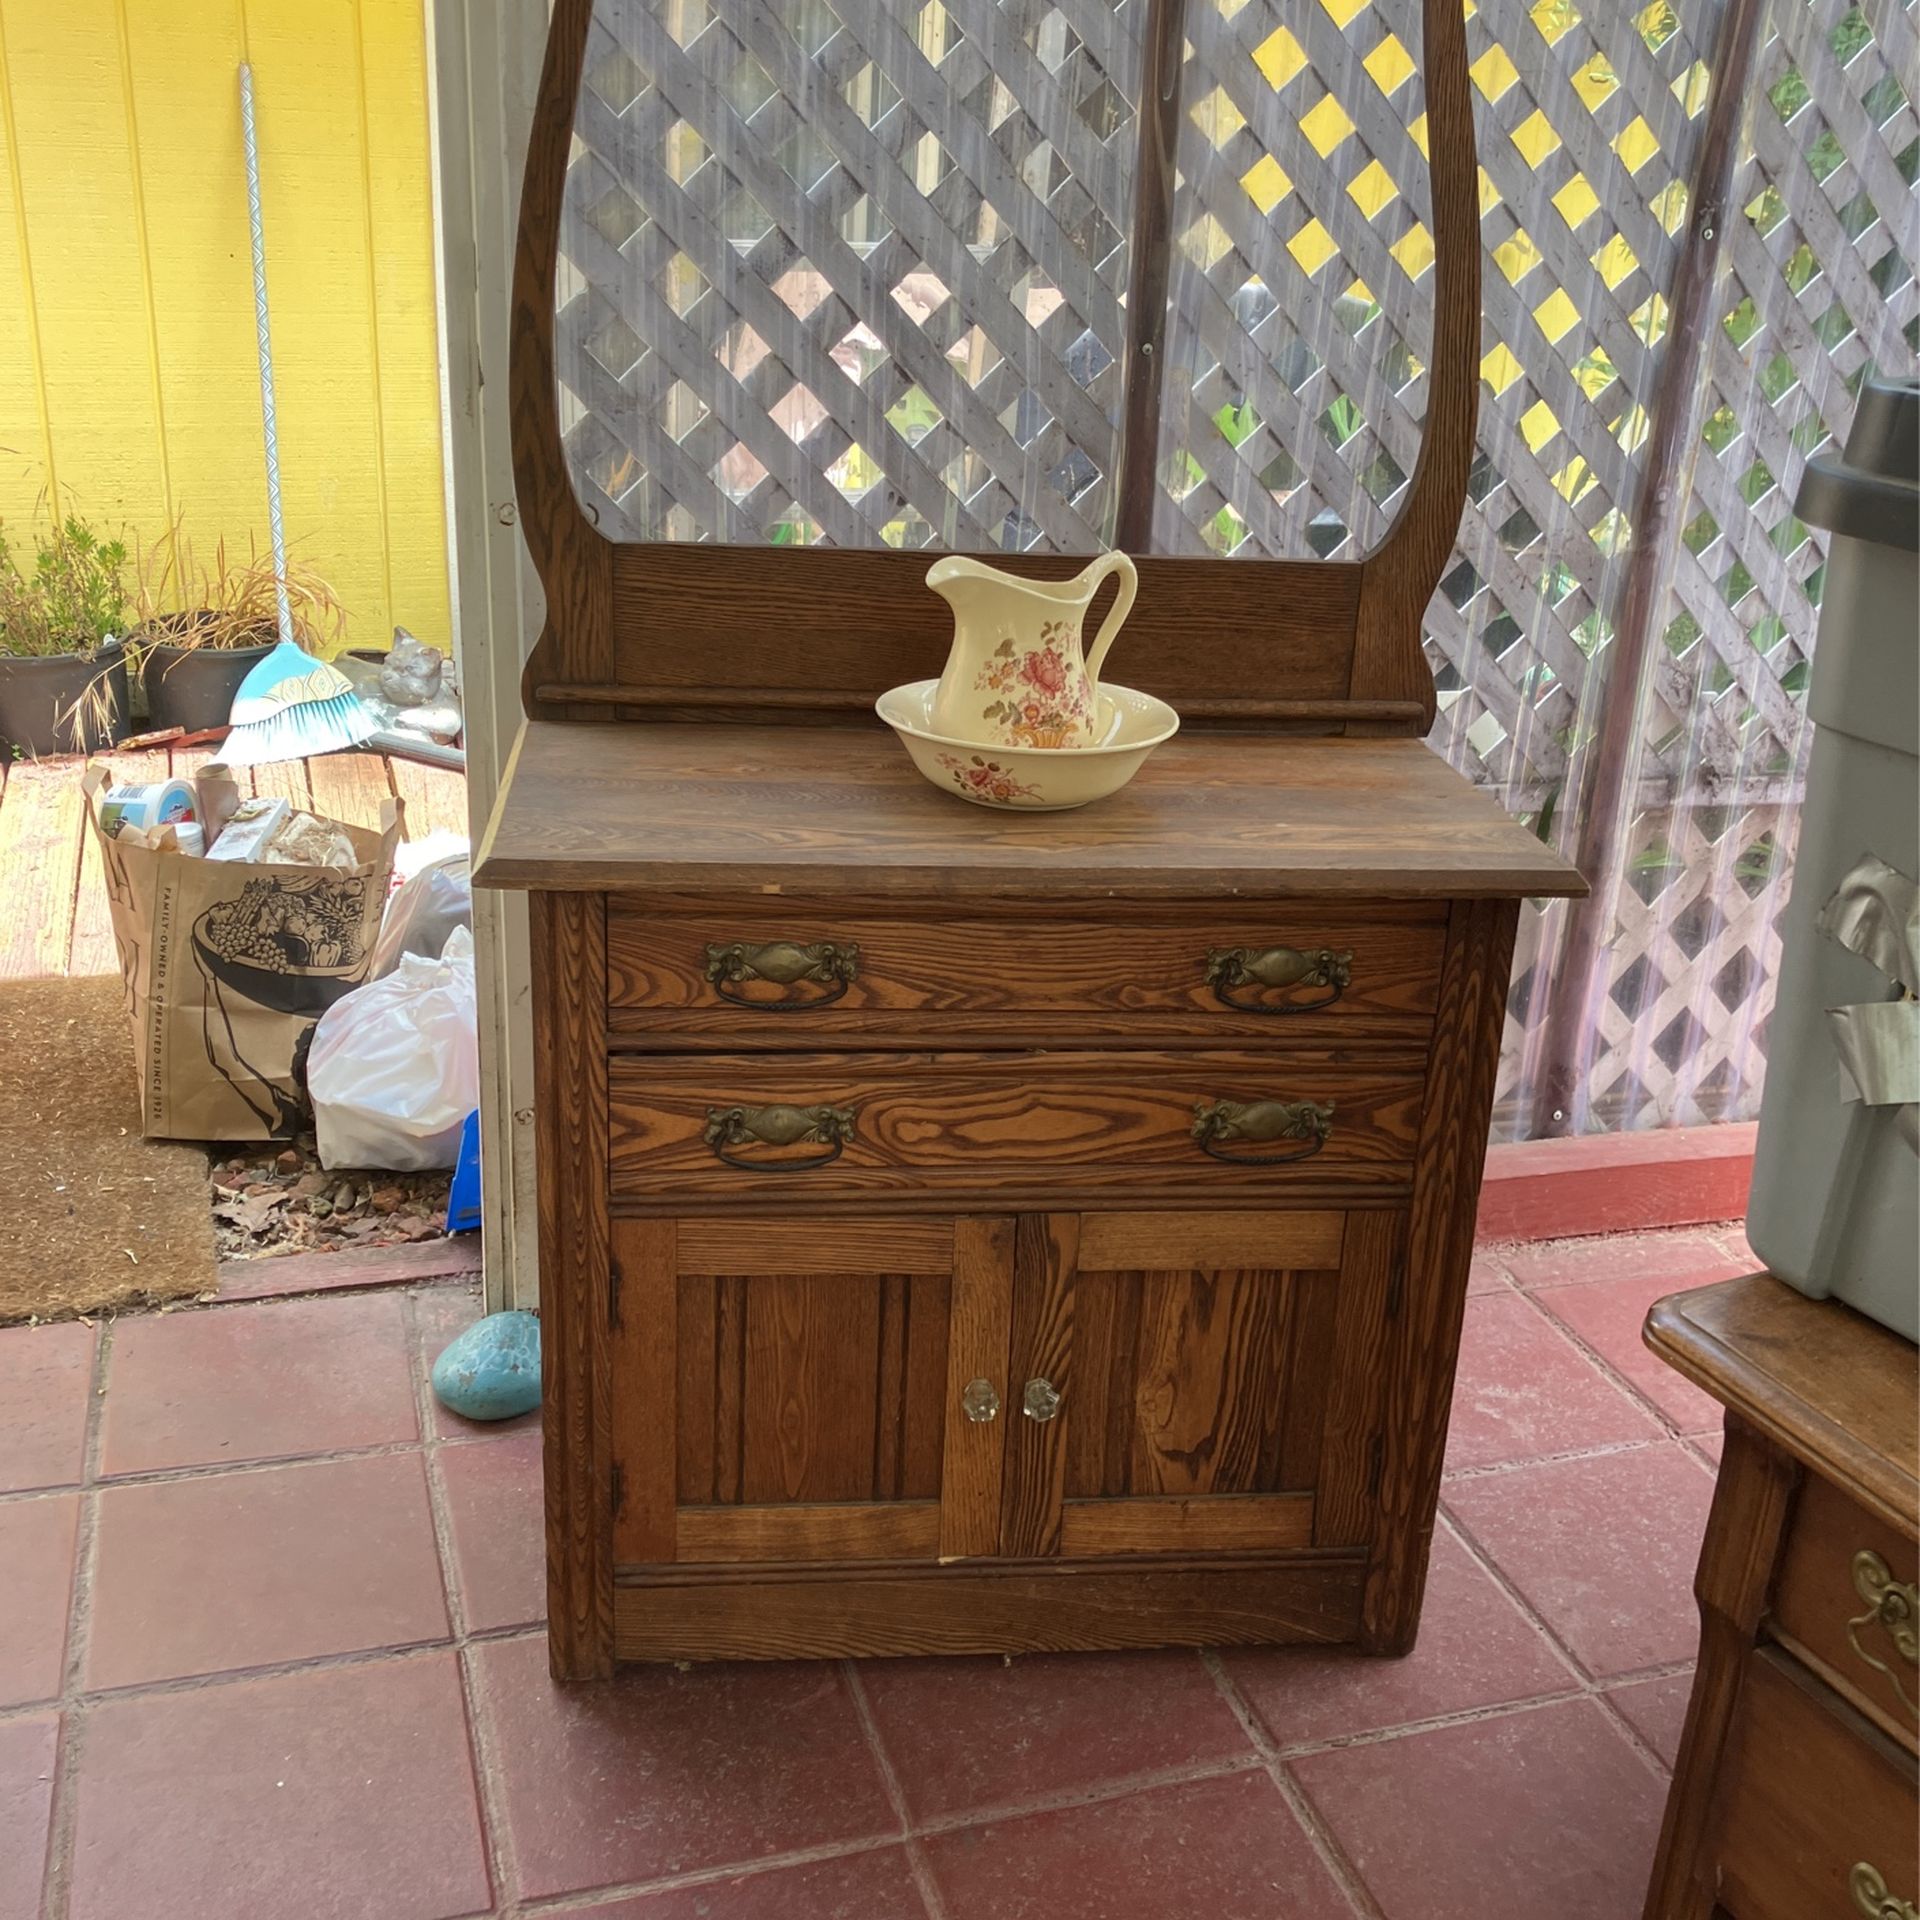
(776, 1125)
(1816, 1808)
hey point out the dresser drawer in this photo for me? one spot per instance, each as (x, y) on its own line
(1844, 1601)
(1816, 1807)
(782, 1125)
(776, 975)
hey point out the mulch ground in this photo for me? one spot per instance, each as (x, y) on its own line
(273, 1197)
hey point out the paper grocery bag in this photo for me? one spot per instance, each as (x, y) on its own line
(228, 964)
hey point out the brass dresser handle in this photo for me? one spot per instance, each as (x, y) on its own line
(1323, 974)
(1868, 1885)
(729, 1128)
(1218, 1123)
(1894, 1607)
(831, 963)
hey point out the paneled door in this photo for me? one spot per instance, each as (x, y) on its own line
(1184, 1382)
(808, 1390)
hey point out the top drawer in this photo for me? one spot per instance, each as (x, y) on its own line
(788, 975)
(1845, 1602)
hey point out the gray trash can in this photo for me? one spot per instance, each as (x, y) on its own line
(1835, 1207)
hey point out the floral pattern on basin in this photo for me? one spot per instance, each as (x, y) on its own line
(1045, 698)
(986, 780)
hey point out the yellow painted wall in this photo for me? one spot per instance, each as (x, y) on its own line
(129, 387)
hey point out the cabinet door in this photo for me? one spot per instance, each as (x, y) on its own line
(1186, 1382)
(808, 1389)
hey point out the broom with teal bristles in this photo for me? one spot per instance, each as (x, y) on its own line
(291, 706)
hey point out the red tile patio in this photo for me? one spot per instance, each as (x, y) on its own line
(273, 1653)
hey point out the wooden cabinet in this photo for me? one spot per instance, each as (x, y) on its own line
(1794, 1794)
(962, 1229)
(966, 1268)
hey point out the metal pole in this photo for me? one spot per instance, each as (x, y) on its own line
(1600, 799)
(279, 534)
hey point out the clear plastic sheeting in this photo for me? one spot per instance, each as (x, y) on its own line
(850, 274)
(855, 272)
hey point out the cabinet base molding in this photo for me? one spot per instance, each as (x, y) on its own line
(986, 1609)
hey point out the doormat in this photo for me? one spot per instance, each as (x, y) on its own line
(92, 1217)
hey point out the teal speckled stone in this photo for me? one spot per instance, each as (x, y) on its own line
(492, 1370)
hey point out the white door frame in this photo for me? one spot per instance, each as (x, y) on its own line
(484, 71)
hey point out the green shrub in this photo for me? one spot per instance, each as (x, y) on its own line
(74, 596)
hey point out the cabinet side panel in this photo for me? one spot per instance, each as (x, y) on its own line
(1449, 1161)
(570, 1066)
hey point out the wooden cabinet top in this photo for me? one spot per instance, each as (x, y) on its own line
(839, 810)
(1839, 1391)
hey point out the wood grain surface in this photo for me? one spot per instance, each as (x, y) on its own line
(1781, 1787)
(1144, 978)
(569, 989)
(1811, 1791)
(1836, 1389)
(1018, 1122)
(1412, 1374)
(1185, 1381)
(644, 1366)
(1247, 1523)
(1045, 1248)
(764, 810)
(973, 1474)
(1751, 1500)
(989, 1610)
(1817, 1606)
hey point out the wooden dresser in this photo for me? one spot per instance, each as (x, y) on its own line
(1794, 1795)
(966, 1230)
(948, 1240)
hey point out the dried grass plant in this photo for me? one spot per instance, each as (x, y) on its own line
(182, 603)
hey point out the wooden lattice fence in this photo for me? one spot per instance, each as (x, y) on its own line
(856, 271)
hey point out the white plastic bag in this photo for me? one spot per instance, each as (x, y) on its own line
(395, 1065)
(423, 912)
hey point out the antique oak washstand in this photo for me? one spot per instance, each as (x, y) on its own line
(951, 1239)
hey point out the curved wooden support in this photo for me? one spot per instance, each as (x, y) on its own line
(1399, 576)
(830, 627)
(573, 559)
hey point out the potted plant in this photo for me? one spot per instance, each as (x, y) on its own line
(63, 665)
(201, 629)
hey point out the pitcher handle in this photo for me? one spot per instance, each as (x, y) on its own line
(1121, 564)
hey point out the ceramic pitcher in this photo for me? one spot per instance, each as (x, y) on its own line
(1017, 675)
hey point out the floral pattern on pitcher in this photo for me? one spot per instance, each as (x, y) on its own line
(1044, 694)
(985, 779)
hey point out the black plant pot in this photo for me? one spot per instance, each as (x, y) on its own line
(43, 704)
(193, 687)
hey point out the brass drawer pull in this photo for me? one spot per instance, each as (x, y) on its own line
(1894, 1607)
(729, 1128)
(1323, 975)
(831, 963)
(1220, 1122)
(1868, 1885)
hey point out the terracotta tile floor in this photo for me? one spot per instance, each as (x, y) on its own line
(270, 1650)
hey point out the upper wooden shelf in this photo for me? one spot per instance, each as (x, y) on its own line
(619, 807)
